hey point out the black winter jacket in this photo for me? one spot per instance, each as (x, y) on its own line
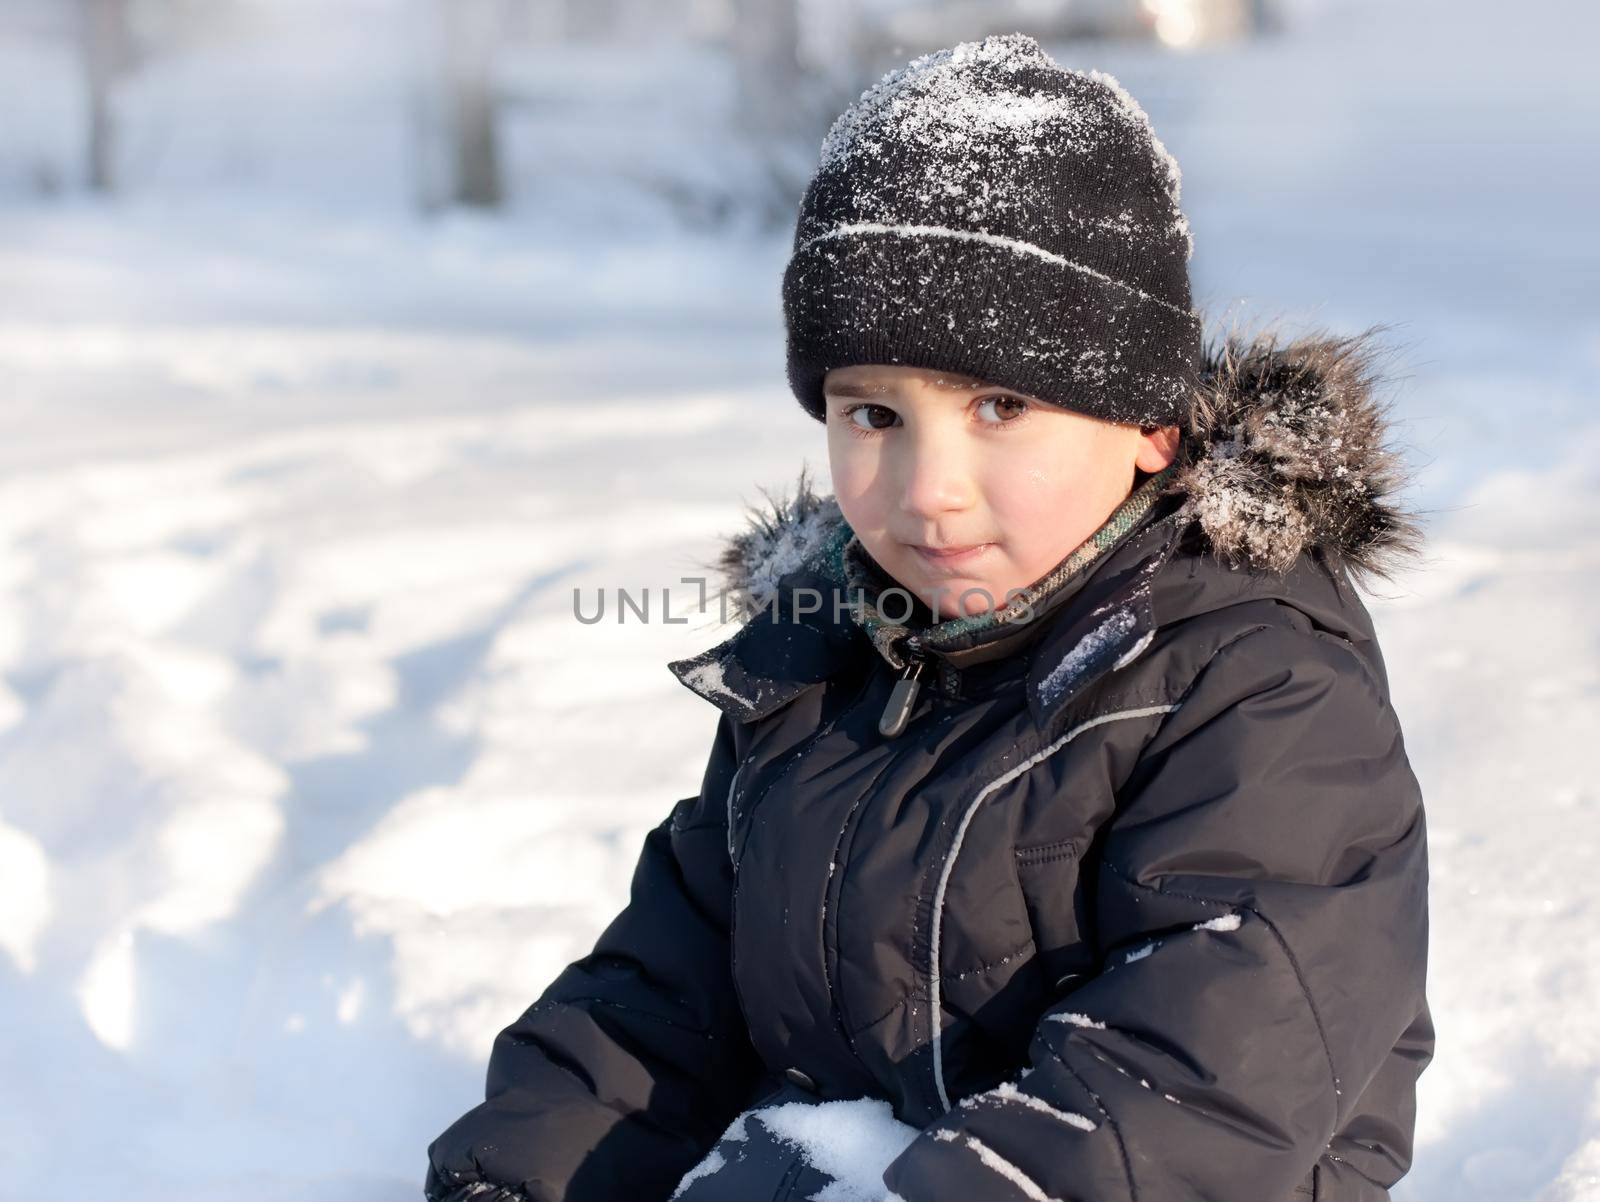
(1132, 911)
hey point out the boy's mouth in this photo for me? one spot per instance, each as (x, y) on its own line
(947, 556)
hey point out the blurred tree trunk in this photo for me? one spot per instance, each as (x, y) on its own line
(1264, 17)
(105, 54)
(471, 30)
(588, 20)
(766, 41)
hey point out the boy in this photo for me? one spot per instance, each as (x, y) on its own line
(1113, 889)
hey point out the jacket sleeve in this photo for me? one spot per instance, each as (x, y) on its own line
(631, 1063)
(1260, 906)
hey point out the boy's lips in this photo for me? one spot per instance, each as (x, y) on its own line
(949, 556)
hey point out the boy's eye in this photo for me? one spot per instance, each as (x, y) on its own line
(1011, 407)
(863, 416)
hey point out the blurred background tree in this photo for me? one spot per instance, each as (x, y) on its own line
(702, 114)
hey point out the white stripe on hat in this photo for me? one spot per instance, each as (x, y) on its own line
(1000, 240)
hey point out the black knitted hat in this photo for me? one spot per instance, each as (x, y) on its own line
(987, 211)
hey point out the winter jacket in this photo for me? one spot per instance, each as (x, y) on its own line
(1132, 909)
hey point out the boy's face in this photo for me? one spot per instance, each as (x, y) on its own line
(924, 460)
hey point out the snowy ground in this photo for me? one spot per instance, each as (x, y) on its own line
(309, 781)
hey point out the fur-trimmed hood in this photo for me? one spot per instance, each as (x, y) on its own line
(1286, 449)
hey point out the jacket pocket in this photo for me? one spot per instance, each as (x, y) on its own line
(1046, 853)
(1047, 876)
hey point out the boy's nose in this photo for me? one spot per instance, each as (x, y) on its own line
(934, 484)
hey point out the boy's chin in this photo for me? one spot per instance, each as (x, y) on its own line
(981, 598)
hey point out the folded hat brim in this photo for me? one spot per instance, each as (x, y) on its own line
(992, 308)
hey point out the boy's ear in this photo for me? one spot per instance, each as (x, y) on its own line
(1158, 447)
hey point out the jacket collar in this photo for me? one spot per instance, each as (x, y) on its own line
(1113, 618)
(1284, 454)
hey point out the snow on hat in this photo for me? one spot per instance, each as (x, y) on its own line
(987, 211)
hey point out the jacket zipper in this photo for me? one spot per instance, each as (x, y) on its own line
(835, 887)
(903, 697)
(733, 787)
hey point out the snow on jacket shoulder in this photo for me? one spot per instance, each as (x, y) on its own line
(1136, 912)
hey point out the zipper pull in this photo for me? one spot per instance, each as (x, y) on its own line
(902, 699)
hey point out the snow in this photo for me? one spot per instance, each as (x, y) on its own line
(709, 679)
(1077, 1020)
(850, 1141)
(935, 102)
(712, 1163)
(1083, 652)
(737, 1131)
(1007, 1091)
(24, 896)
(309, 781)
(986, 138)
(1225, 922)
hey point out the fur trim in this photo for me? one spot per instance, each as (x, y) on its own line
(1284, 451)
(779, 537)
